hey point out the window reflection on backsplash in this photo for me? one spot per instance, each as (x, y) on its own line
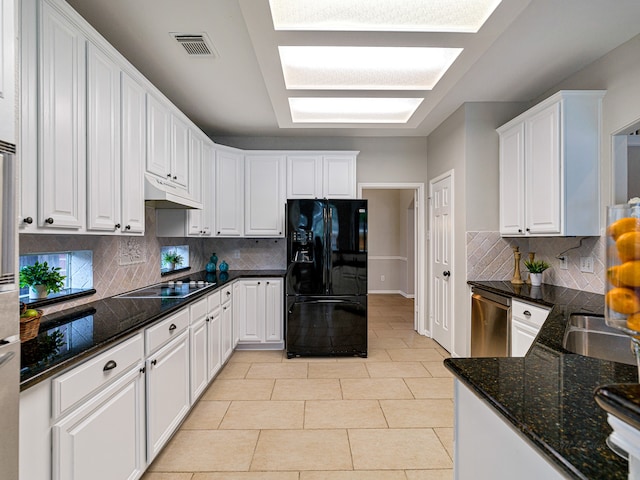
(121, 264)
(490, 257)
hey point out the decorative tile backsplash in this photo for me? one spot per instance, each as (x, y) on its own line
(490, 257)
(121, 264)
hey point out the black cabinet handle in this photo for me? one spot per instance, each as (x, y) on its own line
(117, 226)
(49, 220)
(172, 327)
(175, 177)
(528, 229)
(110, 365)
(526, 313)
(206, 319)
(258, 283)
(154, 361)
(446, 273)
(519, 230)
(28, 220)
(127, 227)
(168, 175)
(143, 369)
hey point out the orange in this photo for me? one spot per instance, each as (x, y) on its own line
(633, 322)
(628, 246)
(629, 273)
(613, 275)
(622, 300)
(623, 225)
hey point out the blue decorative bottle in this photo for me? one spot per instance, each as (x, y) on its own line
(211, 266)
(223, 266)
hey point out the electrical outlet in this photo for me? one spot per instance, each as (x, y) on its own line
(382, 278)
(586, 264)
(564, 263)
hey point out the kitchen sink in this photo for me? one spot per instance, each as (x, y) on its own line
(590, 336)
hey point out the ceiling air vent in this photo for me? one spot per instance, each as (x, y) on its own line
(195, 44)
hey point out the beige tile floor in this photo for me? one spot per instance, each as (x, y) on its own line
(389, 416)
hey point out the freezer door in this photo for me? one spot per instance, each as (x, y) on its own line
(347, 253)
(9, 401)
(326, 326)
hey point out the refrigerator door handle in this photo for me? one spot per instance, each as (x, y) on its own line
(329, 247)
(325, 266)
(4, 358)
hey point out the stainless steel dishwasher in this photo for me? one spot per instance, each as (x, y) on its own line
(490, 319)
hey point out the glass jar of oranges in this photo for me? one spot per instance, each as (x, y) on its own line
(622, 295)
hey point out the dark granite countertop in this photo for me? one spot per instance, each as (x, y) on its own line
(548, 396)
(68, 337)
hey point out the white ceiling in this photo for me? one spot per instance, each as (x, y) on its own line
(525, 48)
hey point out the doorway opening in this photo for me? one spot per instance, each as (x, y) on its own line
(397, 260)
(626, 163)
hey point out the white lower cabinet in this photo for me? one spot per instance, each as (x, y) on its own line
(214, 335)
(104, 438)
(227, 329)
(258, 308)
(198, 349)
(526, 322)
(168, 399)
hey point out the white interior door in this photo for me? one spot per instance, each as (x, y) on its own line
(441, 194)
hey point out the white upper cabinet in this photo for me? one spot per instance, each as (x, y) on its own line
(8, 73)
(158, 137)
(264, 195)
(229, 193)
(549, 168)
(103, 141)
(62, 125)
(321, 175)
(134, 151)
(179, 165)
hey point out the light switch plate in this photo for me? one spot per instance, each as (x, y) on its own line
(586, 264)
(564, 263)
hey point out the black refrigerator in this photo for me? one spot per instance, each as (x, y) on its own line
(326, 283)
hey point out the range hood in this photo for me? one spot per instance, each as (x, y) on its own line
(160, 193)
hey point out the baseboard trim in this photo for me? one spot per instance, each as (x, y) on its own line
(391, 292)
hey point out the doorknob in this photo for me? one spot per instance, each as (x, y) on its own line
(446, 273)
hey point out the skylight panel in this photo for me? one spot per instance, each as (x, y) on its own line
(352, 110)
(364, 68)
(464, 16)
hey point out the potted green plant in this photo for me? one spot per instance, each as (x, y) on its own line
(41, 279)
(172, 259)
(536, 267)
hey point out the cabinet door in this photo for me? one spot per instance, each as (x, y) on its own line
(208, 188)
(273, 311)
(339, 176)
(214, 343)
(226, 329)
(229, 194)
(543, 173)
(304, 176)
(104, 438)
(198, 351)
(167, 392)
(179, 151)
(522, 337)
(103, 141)
(248, 306)
(158, 136)
(195, 217)
(62, 125)
(134, 150)
(8, 72)
(512, 181)
(264, 195)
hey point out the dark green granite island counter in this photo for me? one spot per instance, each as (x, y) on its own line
(548, 396)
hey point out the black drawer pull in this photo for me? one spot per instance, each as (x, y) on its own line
(49, 220)
(28, 220)
(527, 313)
(172, 326)
(154, 361)
(110, 365)
(117, 226)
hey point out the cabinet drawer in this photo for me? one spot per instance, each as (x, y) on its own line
(532, 314)
(199, 310)
(73, 386)
(213, 301)
(163, 331)
(226, 294)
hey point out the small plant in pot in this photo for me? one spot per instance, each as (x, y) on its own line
(41, 279)
(172, 259)
(536, 267)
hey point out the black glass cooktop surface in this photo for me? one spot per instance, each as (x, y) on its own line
(180, 289)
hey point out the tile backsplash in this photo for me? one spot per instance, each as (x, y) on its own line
(490, 257)
(123, 263)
